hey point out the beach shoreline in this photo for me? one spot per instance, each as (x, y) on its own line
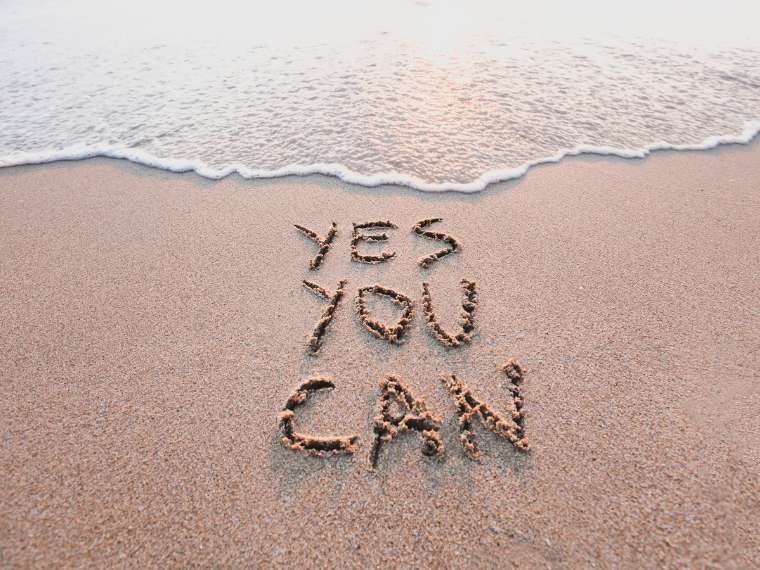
(155, 325)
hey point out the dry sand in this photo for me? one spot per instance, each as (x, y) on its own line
(154, 326)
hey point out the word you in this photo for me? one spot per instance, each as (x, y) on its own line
(399, 411)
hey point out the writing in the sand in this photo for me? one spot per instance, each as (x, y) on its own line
(398, 409)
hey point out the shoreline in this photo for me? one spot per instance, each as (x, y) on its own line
(155, 325)
(137, 156)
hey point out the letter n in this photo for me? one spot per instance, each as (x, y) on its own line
(470, 408)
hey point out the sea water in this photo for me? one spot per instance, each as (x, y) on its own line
(432, 94)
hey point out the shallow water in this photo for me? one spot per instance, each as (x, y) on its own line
(434, 95)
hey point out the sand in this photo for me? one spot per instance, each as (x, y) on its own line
(154, 326)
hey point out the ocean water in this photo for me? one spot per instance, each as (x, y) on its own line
(436, 95)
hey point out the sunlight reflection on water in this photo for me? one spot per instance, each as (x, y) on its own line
(441, 90)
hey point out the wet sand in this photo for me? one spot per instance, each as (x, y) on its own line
(154, 326)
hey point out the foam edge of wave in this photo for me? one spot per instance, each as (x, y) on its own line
(81, 152)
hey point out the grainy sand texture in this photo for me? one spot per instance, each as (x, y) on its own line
(577, 385)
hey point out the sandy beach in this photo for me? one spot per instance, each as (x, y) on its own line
(155, 325)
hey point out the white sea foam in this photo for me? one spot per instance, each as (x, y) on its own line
(80, 152)
(436, 95)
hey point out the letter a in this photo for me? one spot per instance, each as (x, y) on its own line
(414, 415)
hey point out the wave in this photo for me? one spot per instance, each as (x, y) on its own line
(80, 152)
